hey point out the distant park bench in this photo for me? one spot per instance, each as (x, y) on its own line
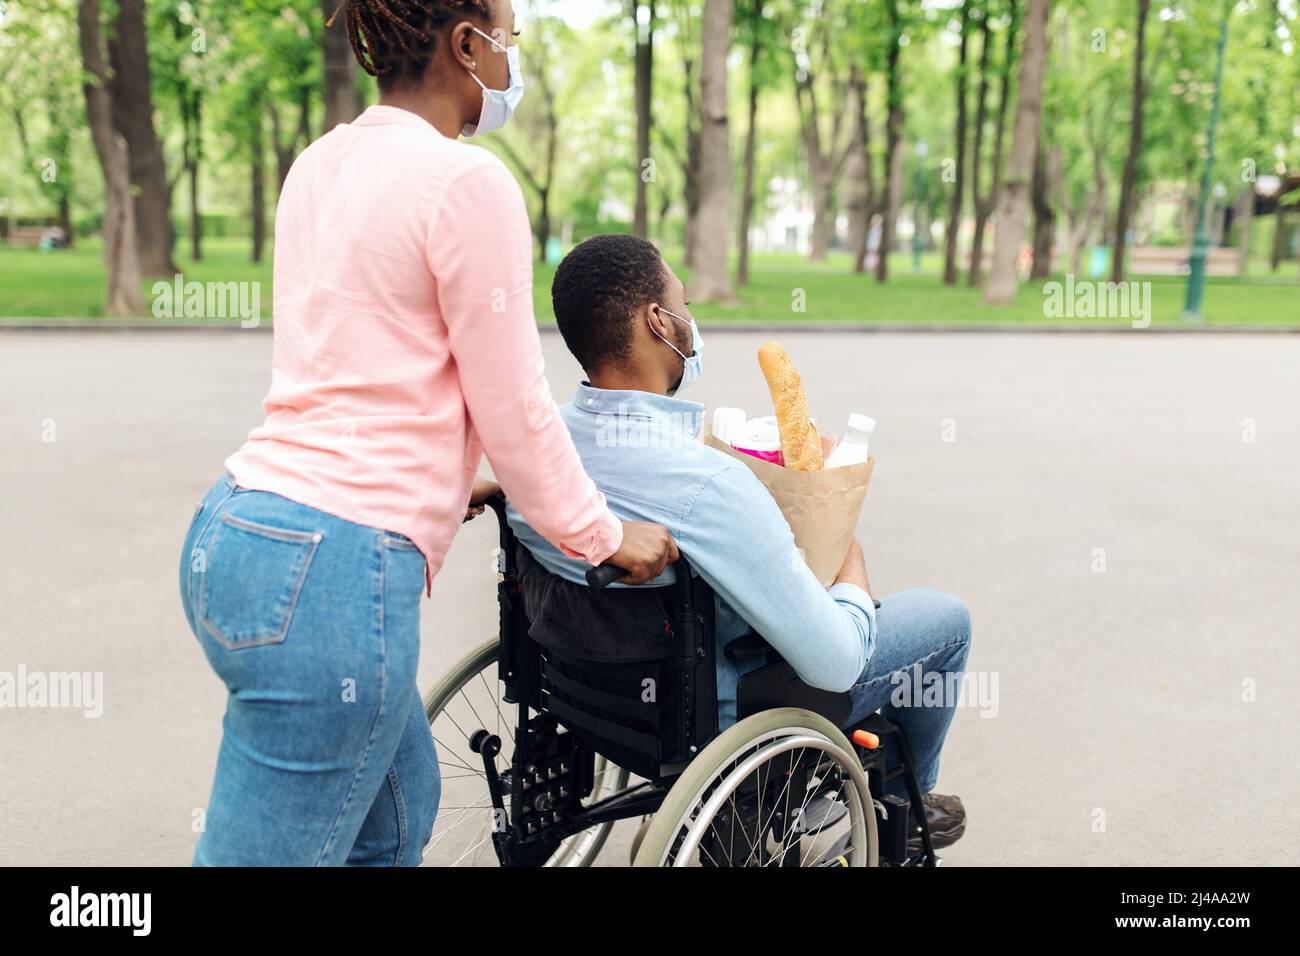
(1172, 261)
(25, 235)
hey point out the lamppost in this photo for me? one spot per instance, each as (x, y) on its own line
(922, 151)
(1201, 242)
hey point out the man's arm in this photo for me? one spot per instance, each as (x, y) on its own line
(738, 540)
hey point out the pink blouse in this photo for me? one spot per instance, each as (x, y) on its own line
(405, 345)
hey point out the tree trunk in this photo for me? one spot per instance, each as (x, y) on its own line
(644, 77)
(257, 150)
(1044, 215)
(661, 215)
(132, 111)
(65, 218)
(824, 165)
(985, 204)
(1279, 234)
(1245, 213)
(120, 257)
(691, 170)
(543, 229)
(711, 282)
(342, 102)
(751, 139)
(193, 156)
(1013, 204)
(823, 227)
(859, 179)
(893, 186)
(959, 184)
(1128, 184)
(60, 149)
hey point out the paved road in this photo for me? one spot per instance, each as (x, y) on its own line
(1120, 691)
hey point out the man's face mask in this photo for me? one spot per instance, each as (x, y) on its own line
(693, 364)
(498, 105)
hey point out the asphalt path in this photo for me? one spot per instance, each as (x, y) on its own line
(1119, 512)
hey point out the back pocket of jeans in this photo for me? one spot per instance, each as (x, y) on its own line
(252, 575)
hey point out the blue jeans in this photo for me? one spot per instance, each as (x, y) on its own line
(921, 634)
(312, 623)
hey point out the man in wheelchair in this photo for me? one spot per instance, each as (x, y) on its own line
(623, 314)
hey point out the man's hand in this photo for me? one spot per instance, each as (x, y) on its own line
(645, 552)
(483, 490)
(854, 569)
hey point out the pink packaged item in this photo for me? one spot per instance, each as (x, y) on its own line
(767, 455)
(762, 440)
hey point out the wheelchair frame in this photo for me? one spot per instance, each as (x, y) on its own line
(562, 726)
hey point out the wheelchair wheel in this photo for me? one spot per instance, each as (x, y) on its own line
(468, 699)
(771, 790)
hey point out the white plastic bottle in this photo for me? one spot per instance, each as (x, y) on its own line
(729, 425)
(852, 449)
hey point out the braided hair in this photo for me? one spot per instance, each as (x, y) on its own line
(394, 39)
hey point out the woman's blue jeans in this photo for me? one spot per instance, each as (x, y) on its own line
(312, 623)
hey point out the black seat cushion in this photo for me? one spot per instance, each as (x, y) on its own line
(614, 625)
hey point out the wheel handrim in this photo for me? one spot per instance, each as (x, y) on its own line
(456, 708)
(824, 763)
(725, 793)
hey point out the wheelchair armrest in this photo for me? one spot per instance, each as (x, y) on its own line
(747, 647)
(777, 685)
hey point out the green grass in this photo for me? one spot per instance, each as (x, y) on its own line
(70, 284)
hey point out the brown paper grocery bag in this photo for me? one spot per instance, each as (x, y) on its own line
(822, 507)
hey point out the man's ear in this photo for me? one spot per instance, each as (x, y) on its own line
(657, 318)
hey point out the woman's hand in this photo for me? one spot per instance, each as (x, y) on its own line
(483, 490)
(645, 552)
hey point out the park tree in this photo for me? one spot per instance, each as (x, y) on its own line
(342, 97)
(985, 189)
(1088, 74)
(182, 73)
(270, 68)
(121, 258)
(959, 134)
(893, 179)
(284, 36)
(1013, 204)
(643, 23)
(761, 34)
(861, 200)
(686, 150)
(1124, 212)
(130, 88)
(40, 74)
(538, 124)
(711, 282)
(819, 49)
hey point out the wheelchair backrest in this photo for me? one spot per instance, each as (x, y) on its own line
(630, 671)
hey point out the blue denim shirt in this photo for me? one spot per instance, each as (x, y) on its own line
(643, 452)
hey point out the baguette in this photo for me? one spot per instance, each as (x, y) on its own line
(801, 445)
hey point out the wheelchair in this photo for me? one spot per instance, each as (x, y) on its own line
(538, 746)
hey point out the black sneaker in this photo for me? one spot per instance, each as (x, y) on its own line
(946, 817)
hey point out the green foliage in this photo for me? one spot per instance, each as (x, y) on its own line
(236, 73)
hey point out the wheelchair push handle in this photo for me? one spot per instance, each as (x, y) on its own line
(603, 575)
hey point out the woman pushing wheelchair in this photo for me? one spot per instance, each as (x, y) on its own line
(405, 348)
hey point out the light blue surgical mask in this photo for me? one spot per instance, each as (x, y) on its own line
(693, 364)
(498, 105)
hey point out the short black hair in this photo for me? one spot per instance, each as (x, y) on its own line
(597, 288)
